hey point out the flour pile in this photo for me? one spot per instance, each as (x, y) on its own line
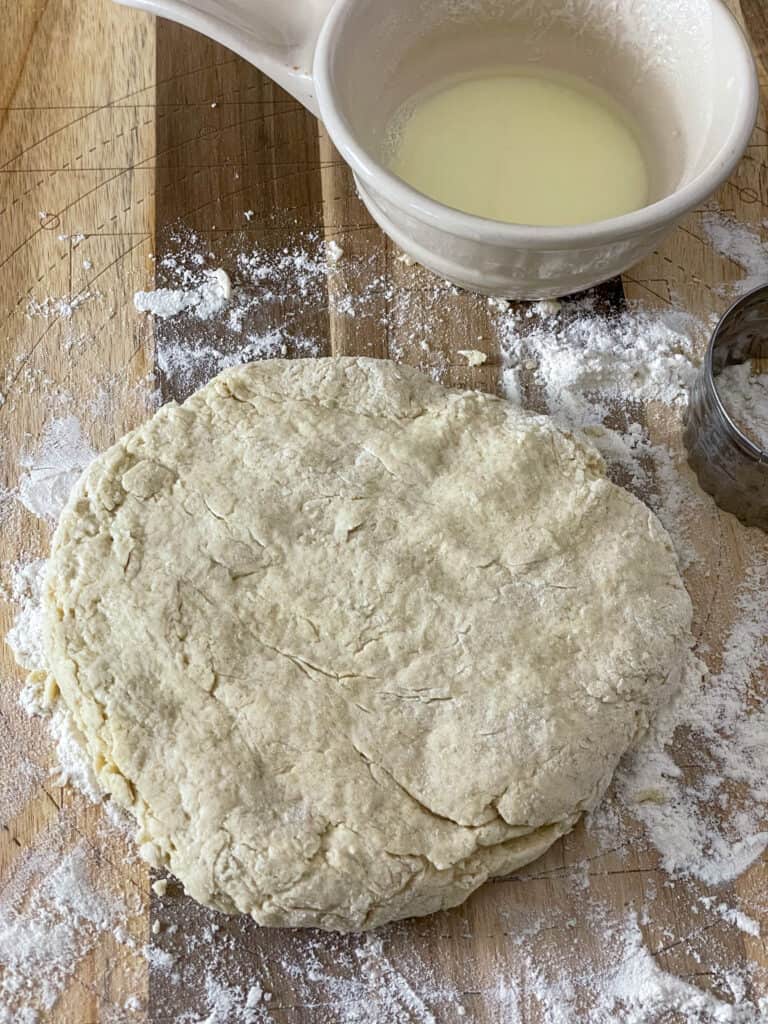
(204, 299)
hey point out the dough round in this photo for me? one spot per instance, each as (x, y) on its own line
(348, 643)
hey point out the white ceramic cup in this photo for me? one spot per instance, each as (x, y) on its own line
(681, 68)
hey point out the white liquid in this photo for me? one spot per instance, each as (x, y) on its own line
(543, 149)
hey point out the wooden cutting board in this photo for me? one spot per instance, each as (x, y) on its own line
(115, 126)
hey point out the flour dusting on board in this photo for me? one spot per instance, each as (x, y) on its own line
(51, 471)
(25, 638)
(744, 245)
(695, 789)
(47, 928)
(58, 306)
(730, 727)
(631, 989)
(337, 979)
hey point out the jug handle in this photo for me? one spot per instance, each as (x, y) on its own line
(278, 37)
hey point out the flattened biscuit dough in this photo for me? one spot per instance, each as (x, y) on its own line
(347, 643)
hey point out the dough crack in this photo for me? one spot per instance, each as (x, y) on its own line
(371, 763)
(303, 664)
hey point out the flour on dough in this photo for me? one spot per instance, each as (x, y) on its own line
(347, 643)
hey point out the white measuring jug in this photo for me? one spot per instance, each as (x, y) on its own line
(681, 68)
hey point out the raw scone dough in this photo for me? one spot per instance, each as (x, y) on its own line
(348, 643)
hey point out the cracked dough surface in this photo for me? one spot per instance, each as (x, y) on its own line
(347, 643)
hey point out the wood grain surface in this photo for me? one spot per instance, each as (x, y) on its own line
(118, 128)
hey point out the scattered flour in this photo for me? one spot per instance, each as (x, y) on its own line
(733, 916)
(644, 993)
(43, 941)
(740, 243)
(185, 365)
(26, 641)
(714, 824)
(335, 979)
(27, 774)
(627, 987)
(587, 362)
(233, 1004)
(387, 987)
(51, 472)
(25, 637)
(58, 307)
(744, 393)
(74, 767)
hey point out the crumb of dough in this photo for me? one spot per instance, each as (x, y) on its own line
(224, 282)
(545, 308)
(333, 251)
(473, 356)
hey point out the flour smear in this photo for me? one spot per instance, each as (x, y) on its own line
(54, 912)
(52, 469)
(690, 802)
